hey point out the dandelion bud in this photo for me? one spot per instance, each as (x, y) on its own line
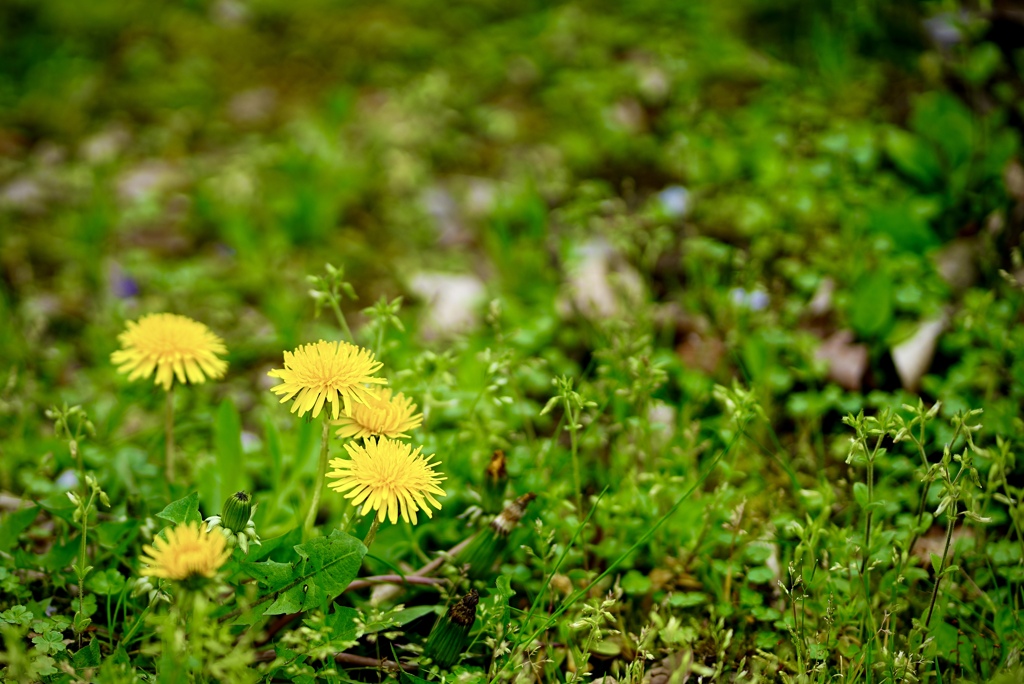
(448, 638)
(488, 546)
(495, 482)
(236, 512)
(235, 522)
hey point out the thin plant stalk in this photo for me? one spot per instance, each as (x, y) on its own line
(341, 319)
(574, 448)
(127, 638)
(938, 575)
(318, 485)
(569, 601)
(871, 498)
(82, 570)
(169, 436)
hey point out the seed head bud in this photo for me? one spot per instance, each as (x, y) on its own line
(507, 520)
(491, 542)
(236, 512)
(448, 638)
(495, 482)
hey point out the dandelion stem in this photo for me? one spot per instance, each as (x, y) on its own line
(318, 485)
(372, 534)
(169, 435)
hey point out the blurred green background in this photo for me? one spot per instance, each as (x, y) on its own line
(782, 192)
(821, 199)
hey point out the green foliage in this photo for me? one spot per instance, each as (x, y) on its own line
(326, 567)
(735, 288)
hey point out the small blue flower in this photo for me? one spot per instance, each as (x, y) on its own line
(675, 201)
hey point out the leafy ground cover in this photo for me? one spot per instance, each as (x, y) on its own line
(704, 319)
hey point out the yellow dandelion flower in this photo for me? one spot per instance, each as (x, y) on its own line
(190, 551)
(382, 415)
(315, 373)
(175, 346)
(388, 476)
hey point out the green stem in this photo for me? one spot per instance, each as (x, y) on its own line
(871, 492)
(372, 534)
(341, 319)
(570, 600)
(867, 526)
(920, 514)
(942, 564)
(126, 639)
(82, 559)
(318, 484)
(169, 436)
(575, 458)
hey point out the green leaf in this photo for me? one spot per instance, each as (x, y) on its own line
(947, 123)
(871, 304)
(270, 573)
(81, 623)
(860, 494)
(765, 613)
(761, 575)
(13, 524)
(325, 568)
(227, 437)
(183, 510)
(397, 618)
(106, 583)
(505, 590)
(87, 656)
(636, 583)
(49, 643)
(272, 546)
(913, 156)
(907, 229)
(983, 61)
(504, 594)
(688, 599)
(343, 624)
(119, 657)
(936, 562)
(43, 665)
(17, 615)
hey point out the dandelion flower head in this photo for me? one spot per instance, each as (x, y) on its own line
(189, 551)
(174, 346)
(389, 477)
(317, 373)
(382, 415)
